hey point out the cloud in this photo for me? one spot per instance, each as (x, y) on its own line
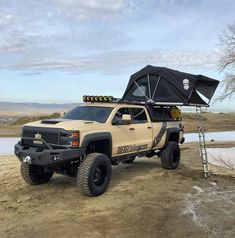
(59, 26)
(31, 73)
(118, 62)
(84, 10)
(5, 20)
(106, 35)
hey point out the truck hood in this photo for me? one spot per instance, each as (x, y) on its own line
(63, 124)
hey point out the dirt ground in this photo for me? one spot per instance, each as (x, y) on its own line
(143, 200)
(212, 122)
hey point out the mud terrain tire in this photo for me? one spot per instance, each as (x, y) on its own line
(170, 156)
(34, 174)
(94, 174)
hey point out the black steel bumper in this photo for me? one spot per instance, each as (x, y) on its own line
(47, 156)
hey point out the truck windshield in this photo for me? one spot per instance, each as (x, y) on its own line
(99, 114)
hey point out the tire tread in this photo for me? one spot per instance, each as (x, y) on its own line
(166, 154)
(83, 173)
(29, 177)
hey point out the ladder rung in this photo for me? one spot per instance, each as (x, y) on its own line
(202, 141)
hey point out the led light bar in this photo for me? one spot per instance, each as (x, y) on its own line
(91, 98)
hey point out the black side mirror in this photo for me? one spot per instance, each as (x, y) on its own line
(125, 120)
(116, 121)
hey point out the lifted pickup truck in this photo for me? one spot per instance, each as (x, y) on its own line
(93, 136)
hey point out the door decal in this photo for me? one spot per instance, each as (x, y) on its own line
(160, 134)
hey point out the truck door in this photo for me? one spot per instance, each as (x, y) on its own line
(142, 126)
(137, 136)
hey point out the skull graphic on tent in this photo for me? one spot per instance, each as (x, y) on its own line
(186, 84)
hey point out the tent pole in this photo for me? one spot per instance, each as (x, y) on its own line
(155, 89)
(141, 90)
(149, 87)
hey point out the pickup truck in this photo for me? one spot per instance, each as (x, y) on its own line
(92, 137)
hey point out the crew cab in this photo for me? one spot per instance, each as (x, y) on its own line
(92, 137)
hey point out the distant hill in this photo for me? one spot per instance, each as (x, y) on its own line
(12, 108)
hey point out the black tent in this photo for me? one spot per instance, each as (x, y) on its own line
(164, 86)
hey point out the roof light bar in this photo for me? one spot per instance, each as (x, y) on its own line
(105, 99)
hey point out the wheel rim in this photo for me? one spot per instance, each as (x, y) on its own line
(99, 175)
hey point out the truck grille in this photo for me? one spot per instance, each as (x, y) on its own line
(50, 135)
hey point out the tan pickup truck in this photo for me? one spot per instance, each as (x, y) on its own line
(86, 141)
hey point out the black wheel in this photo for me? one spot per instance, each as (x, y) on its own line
(130, 159)
(34, 174)
(94, 174)
(170, 156)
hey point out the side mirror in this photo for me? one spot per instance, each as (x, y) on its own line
(126, 119)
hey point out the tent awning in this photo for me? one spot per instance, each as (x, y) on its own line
(164, 86)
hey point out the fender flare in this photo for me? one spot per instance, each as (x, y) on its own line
(96, 137)
(170, 131)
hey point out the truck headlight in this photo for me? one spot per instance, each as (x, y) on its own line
(75, 133)
(75, 139)
(70, 138)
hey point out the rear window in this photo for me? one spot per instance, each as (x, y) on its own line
(138, 115)
(160, 114)
(165, 114)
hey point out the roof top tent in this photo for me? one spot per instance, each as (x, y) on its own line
(167, 87)
(164, 86)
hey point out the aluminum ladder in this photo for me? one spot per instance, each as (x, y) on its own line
(202, 142)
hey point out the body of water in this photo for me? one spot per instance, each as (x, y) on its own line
(224, 157)
(7, 144)
(216, 136)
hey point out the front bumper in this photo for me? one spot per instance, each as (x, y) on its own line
(47, 156)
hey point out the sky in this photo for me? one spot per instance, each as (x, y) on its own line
(55, 51)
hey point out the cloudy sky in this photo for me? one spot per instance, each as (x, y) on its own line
(57, 50)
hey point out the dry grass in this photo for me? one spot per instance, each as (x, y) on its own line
(27, 119)
(11, 125)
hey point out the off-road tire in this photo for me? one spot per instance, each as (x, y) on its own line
(94, 174)
(170, 156)
(130, 160)
(34, 174)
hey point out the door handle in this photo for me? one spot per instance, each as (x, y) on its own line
(132, 129)
(149, 127)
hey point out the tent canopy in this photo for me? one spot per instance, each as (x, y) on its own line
(164, 86)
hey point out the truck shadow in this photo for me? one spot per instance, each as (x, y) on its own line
(140, 169)
(121, 172)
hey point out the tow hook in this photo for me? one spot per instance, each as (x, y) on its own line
(27, 159)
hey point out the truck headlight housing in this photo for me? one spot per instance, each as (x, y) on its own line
(75, 139)
(70, 138)
(75, 134)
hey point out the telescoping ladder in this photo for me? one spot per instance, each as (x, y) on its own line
(202, 142)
